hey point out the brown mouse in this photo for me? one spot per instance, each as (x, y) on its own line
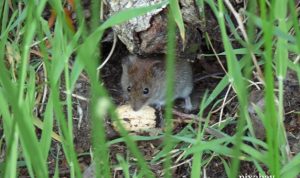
(144, 81)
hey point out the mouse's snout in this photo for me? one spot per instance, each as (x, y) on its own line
(136, 107)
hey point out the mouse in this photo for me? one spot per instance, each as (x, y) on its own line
(143, 81)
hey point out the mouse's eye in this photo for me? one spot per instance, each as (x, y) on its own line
(146, 91)
(129, 89)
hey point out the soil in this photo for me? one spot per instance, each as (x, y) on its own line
(209, 68)
(111, 74)
(208, 72)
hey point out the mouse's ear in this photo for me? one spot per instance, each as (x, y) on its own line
(128, 60)
(157, 67)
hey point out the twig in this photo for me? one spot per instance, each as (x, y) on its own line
(110, 53)
(255, 84)
(187, 116)
(215, 75)
(195, 118)
(184, 162)
(45, 90)
(242, 28)
(215, 53)
(77, 96)
(219, 108)
(224, 103)
(38, 42)
(297, 59)
(50, 58)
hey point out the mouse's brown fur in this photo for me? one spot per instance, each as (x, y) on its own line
(143, 81)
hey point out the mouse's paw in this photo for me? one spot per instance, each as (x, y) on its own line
(188, 105)
(160, 120)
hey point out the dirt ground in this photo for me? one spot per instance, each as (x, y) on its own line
(208, 73)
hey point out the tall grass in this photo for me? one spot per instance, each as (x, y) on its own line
(23, 28)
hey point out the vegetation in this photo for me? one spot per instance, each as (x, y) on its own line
(269, 38)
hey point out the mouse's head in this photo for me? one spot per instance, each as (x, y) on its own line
(141, 80)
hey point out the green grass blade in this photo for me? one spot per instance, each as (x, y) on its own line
(281, 59)
(270, 113)
(174, 7)
(235, 77)
(291, 169)
(170, 65)
(12, 155)
(196, 163)
(47, 129)
(124, 165)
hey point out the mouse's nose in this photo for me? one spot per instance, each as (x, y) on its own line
(136, 107)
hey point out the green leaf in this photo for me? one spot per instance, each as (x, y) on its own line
(175, 9)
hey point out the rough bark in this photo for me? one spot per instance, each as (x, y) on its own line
(147, 34)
